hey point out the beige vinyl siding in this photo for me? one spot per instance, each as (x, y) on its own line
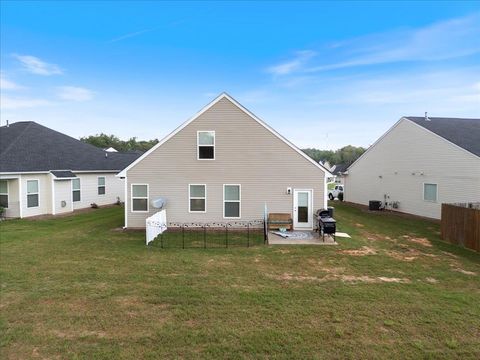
(13, 210)
(45, 195)
(406, 158)
(114, 187)
(245, 153)
(63, 192)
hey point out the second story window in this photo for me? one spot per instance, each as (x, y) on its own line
(206, 145)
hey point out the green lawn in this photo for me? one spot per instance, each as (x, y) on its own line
(76, 287)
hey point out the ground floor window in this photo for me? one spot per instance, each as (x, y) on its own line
(430, 192)
(75, 190)
(101, 185)
(231, 201)
(197, 198)
(139, 197)
(32, 193)
(4, 193)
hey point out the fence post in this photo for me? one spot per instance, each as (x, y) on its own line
(226, 235)
(248, 234)
(183, 236)
(161, 241)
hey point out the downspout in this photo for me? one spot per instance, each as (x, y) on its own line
(325, 191)
(125, 203)
(20, 195)
(53, 194)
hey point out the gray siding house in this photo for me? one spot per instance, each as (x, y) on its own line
(419, 164)
(43, 172)
(224, 164)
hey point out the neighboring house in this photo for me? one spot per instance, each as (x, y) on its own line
(338, 172)
(43, 171)
(223, 165)
(419, 164)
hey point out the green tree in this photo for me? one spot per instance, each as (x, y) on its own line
(105, 141)
(345, 155)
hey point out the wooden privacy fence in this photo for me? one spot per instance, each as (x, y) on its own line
(460, 224)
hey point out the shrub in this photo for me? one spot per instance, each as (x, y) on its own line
(94, 206)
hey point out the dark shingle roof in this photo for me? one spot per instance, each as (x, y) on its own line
(462, 132)
(340, 168)
(28, 146)
(62, 174)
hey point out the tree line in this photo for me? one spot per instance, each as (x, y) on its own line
(346, 155)
(105, 141)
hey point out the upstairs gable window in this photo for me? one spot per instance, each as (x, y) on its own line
(206, 145)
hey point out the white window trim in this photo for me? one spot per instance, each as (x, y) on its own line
(138, 197)
(196, 197)
(71, 185)
(214, 145)
(7, 193)
(37, 193)
(436, 192)
(104, 186)
(239, 201)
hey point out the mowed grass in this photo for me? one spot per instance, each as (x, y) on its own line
(76, 287)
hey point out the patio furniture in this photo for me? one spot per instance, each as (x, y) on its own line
(280, 220)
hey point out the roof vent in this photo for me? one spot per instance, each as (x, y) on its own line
(426, 117)
(106, 155)
(8, 124)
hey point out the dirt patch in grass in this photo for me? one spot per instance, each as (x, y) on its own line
(431, 280)
(466, 272)
(365, 250)
(340, 277)
(359, 225)
(421, 241)
(409, 255)
(219, 262)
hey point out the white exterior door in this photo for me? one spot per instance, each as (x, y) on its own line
(302, 209)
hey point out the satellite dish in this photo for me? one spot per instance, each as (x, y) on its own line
(159, 203)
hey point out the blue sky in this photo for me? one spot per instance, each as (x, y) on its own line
(324, 74)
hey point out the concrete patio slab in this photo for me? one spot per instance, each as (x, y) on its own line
(300, 238)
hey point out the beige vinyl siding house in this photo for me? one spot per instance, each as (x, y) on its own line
(247, 165)
(417, 168)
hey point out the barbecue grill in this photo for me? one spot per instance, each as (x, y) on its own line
(326, 224)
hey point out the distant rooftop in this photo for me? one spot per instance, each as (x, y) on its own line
(28, 146)
(460, 131)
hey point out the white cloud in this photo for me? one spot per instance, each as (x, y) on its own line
(74, 93)
(6, 84)
(449, 39)
(22, 103)
(301, 58)
(37, 66)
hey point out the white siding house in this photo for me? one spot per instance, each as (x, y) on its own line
(419, 164)
(33, 179)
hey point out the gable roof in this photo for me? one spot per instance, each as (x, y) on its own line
(30, 147)
(472, 124)
(241, 107)
(464, 133)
